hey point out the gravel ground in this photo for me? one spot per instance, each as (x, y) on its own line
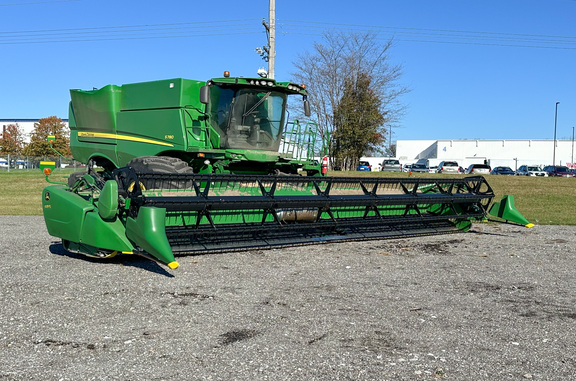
(496, 303)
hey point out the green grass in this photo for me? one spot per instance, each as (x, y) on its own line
(21, 190)
(543, 201)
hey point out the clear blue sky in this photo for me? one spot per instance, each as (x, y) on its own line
(490, 69)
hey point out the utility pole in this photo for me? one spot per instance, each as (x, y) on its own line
(272, 38)
(268, 52)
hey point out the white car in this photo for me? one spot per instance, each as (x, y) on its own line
(531, 170)
(478, 169)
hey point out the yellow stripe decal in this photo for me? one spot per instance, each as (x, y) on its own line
(105, 135)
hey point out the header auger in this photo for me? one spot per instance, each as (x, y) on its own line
(188, 167)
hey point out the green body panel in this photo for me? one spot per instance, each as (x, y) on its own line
(110, 235)
(74, 218)
(506, 210)
(148, 230)
(108, 201)
(96, 114)
(64, 212)
(157, 131)
(163, 94)
(98, 108)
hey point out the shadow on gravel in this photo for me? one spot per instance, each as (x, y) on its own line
(487, 233)
(124, 260)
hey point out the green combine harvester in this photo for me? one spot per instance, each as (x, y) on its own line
(188, 167)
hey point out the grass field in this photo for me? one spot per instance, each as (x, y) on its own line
(543, 201)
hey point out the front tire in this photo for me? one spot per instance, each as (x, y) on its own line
(160, 164)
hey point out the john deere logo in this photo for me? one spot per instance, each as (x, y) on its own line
(47, 196)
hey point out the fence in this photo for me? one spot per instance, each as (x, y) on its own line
(18, 163)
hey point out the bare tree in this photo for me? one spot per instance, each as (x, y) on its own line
(343, 57)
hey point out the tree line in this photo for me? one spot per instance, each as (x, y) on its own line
(14, 142)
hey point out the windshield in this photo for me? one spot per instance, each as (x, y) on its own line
(247, 118)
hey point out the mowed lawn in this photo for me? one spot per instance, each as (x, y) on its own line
(545, 201)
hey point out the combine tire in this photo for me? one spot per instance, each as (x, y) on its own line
(74, 177)
(160, 164)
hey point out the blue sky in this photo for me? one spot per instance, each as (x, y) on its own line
(490, 69)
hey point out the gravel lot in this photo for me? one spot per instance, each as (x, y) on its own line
(497, 303)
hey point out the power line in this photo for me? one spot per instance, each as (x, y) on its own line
(286, 27)
(37, 2)
(197, 24)
(130, 32)
(437, 35)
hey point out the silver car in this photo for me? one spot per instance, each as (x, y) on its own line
(391, 165)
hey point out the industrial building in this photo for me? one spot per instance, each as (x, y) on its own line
(501, 152)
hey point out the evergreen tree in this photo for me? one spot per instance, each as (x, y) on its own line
(358, 123)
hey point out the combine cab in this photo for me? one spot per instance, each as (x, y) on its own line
(182, 167)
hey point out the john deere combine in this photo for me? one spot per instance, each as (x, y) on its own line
(179, 166)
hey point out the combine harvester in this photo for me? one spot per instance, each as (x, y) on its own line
(189, 167)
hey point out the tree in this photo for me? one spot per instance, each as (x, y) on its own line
(390, 151)
(12, 140)
(357, 123)
(344, 58)
(45, 127)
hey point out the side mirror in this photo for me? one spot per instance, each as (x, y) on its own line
(205, 94)
(307, 108)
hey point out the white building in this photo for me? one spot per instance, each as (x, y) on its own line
(510, 153)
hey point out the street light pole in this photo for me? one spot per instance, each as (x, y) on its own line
(555, 124)
(573, 148)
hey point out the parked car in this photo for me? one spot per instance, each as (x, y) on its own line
(448, 167)
(530, 170)
(391, 165)
(502, 171)
(3, 163)
(364, 166)
(407, 167)
(420, 168)
(558, 171)
(478, 169)
(432, 169)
